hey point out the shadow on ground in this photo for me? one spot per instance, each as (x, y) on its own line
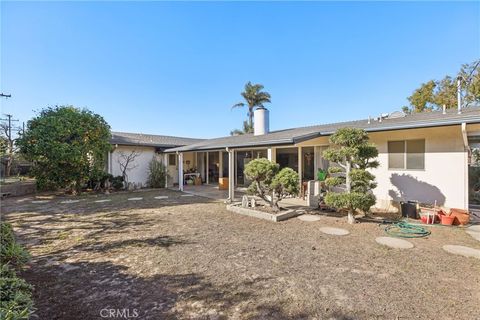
(87, 290)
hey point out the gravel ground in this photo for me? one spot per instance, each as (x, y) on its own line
(189, 258)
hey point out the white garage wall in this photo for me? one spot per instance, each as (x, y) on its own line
(139, 172)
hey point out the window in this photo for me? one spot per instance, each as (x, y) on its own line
(406, 154)
(172, 160)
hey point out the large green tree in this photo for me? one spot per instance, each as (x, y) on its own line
(350, 182)
(67, 146)
(422, 98)
(435, 94)
(254, 98)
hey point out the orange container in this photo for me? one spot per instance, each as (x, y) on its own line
(460, 216)
(223, 183)
(447, 220)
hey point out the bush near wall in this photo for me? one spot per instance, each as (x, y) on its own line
(15, 293)
(157, 174)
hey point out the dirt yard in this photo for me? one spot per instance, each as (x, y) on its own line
(189, 258)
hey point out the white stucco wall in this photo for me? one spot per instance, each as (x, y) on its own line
(139, 172)
(444, 178)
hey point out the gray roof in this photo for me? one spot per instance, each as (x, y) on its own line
(295, 135)
(150, 140)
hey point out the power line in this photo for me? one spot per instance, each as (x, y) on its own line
(9, 128)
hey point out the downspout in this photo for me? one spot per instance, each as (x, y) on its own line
(465, 167)
(231, 173)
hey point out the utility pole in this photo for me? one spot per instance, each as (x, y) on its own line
(9, 128)
(8, 133)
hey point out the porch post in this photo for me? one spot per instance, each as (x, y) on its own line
(271, 154)
(165, 163)
(180, 171)
(231, 175)
(220, 164)
(206, 169)
(300, 168)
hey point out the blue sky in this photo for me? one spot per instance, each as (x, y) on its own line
(177, 68)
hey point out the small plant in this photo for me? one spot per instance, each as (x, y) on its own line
(15, 293)
(157, 174)
(10, 251)
(270, 183)
(98, 180)
(117, 183)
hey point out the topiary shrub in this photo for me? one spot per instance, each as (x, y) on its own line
(157, 174)
(269, 182)
(350, 182)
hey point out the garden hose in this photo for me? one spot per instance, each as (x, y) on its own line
(406, 230)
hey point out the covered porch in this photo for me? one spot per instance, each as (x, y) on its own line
(218, 174)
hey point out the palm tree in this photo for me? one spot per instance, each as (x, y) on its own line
(254, 98)
(246, 129)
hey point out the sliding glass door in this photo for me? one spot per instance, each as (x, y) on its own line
(242, 159)
(213, 166)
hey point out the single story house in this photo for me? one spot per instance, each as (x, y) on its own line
(423, 156)
(133, 152)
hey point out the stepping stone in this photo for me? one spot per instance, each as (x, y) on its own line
(187, 195)
(103, 200)
(40, 201)
(134, 199)
(309, 217)
(475, 228)
(474, 234)
(463, 251)
(334, 231)
(161, 197)
(394, 243)
(70, 201)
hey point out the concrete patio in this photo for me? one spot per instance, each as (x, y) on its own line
(211, 191)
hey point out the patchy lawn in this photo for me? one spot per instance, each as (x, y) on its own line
(187, 257)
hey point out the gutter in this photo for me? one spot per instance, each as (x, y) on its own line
(465, 169)
(294, 140)
(416, 125)
(249, 144)
(465, 136)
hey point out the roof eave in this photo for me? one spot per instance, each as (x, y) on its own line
(420, 125)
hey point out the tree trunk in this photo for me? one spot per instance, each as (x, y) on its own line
(250, 118)
(348, 181)
(351, 217)
(274, 206)
(8, 166)
(274, 203)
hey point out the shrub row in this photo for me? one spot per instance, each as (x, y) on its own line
(15, 293)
